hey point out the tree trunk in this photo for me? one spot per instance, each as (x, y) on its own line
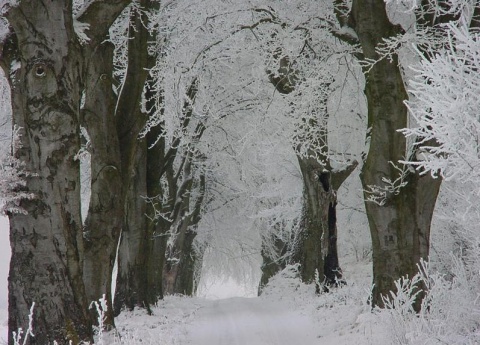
(179, 267)
(400, 223)
(175, 271)
(316, 250)
(271, 267)
(105, 214)
(46, 241)
(131, 287)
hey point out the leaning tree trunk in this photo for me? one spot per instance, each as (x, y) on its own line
(46, 265)
(400, 219)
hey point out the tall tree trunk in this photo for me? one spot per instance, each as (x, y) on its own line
(400, 223)
(316, 249)
(105, 214)
(131, 287)
(179, 275)
(157, 227)
(179, 267)
(177, 261)
(46, 241)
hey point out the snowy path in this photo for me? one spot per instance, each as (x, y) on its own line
(241, 321)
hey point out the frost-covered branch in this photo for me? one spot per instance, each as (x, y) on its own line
(445, 106)
(379, 194)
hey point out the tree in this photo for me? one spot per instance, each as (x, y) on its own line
(444, 106)
(303, 64)
(399, 200)
(60, 80)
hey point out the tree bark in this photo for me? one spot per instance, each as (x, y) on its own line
(105, 214)
(139, 279)
(131, 287)
(400, 225)
(316, 250)
(46, 241)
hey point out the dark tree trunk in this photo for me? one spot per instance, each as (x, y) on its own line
(132, 255)
(316, 249)
(157, 226)
(400, 224)
(179, 277)
(46, 264)
(177, 267)
(105, 214)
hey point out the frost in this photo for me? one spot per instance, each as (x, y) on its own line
(80, 29)
(346, 30)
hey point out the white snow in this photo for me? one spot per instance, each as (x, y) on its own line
(250, 321)
(288, 313)
(4, 265)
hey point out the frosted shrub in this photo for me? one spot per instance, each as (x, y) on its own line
(287, 284)
(17, 336)
(450, 310)
(101, 309)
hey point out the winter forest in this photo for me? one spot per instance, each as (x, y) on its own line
(321, 154)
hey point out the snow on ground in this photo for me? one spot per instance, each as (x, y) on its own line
(4, 264)
(287, 313)
(240, 321)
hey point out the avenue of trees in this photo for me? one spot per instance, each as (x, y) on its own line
(145, 132)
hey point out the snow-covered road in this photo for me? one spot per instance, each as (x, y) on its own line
(250, 321)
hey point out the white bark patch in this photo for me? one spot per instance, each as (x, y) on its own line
(80, 29)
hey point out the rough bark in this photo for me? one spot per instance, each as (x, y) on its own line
(131, 286)
(132, 257)
(400, 228)
(105, 214)
(316, 249)
(46, 264)
(179, 267)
